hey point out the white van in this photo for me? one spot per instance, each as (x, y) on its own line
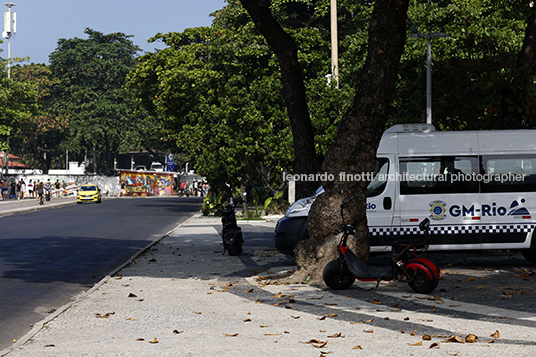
(477, 187)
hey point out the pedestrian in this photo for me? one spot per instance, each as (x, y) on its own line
(64, 186)
(36, 185)
(5, 190)
(40, 191)
(57, 188)
(48, 187)
(22, 189)
(30, 188)
(13, 189)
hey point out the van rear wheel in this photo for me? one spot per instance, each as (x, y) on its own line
(530, 255)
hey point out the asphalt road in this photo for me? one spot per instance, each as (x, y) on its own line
(50, 256)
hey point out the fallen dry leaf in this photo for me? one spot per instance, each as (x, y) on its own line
(131, 295)
(311, 341)
(105, 316)
(435, 344)
(427, 337)
(416, 343)
(368, 331)
(197, 312)
(358, 347)
(177, 332)
(270, 334)
(331, 304)
(247, 320)
(471, 338)
(336, 335)
(332, 315)
(231, 335)
(316, 343)
(319, 346)
(154, 341)
(140, 339)
(496, 334)
(263, 326)
(278, 295)
(454, 339)
(322, 318)
(249, 291)
(367, 321)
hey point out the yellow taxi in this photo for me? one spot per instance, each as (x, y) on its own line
(88, 193)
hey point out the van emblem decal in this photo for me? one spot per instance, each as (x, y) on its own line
(438, 210)
(515, 210)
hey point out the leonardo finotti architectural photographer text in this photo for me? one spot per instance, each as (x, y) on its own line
(407, 177)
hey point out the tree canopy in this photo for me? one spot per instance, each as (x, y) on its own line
(89, 95)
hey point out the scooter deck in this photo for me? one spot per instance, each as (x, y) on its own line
(363, 271)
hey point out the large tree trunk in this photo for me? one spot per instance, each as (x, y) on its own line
(356, 143)
(517, 93)
(293, 91)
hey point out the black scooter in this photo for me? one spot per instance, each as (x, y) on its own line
(231, 233)
(421, 274)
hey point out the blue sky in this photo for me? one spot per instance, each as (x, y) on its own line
(40, 23)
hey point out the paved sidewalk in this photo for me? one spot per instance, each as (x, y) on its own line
(182, 297)
(14, 206)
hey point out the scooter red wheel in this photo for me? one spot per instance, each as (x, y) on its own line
(420, 282)
(337, 276)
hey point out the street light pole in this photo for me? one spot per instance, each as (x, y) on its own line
(334, 44)
(428, 37)
(10, 27)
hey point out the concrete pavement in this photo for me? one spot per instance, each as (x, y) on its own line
(13, 206)
(181, 296)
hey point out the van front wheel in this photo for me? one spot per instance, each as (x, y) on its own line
(530, 255)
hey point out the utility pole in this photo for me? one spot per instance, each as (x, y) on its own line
(10, 28)
(428, 37)
(334, 44)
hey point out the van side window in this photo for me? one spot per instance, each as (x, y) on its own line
(440, 174)
(379, 177)
(508, 173)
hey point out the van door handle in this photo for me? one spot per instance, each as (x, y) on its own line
(387, 203)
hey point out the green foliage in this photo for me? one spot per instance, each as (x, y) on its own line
(215, 92)
(470, 70)
(275, 204)
(38, 138)
(91, 97)
(19, 101)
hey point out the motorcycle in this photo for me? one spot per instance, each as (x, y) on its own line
(231, 233)
(421, 273)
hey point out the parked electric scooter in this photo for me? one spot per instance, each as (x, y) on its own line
(421, 274)
(231, 233)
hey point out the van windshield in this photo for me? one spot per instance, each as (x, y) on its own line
(379, 177)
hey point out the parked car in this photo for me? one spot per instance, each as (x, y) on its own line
(140, 168)
(293, 227)
(88, 193)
